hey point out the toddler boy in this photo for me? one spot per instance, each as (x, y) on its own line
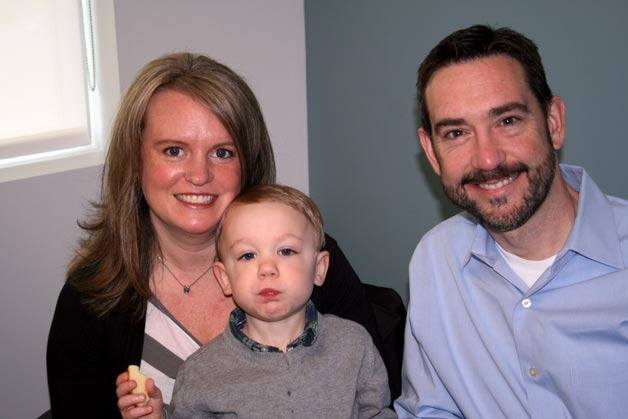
(279, 357)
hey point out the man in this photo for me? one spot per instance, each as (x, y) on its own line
(519, 305)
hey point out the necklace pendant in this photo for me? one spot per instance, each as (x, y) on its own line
(186, 289)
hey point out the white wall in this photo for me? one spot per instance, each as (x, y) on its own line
(261, 40)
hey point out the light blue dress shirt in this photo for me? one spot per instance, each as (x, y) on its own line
(480, 344)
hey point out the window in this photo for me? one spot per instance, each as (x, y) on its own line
(59, 85)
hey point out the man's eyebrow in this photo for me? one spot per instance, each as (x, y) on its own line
(508, 107)
(448, 122)
(493, 113)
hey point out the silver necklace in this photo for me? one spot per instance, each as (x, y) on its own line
(188, 287)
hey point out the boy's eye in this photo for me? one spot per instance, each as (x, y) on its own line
(287, 252)
(247, 256)
(173, 151)
(223, 153)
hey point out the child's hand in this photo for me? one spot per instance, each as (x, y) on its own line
(134, 405)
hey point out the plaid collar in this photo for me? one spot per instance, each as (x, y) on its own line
(307, 338)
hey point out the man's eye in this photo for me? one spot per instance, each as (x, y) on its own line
(287, 252)
(247, 256)
(511, 120)
(173, 151)
(223, 153)
(454, 133)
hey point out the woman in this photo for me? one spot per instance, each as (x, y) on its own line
(189, 135)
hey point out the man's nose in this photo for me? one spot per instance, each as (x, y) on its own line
(488, 153)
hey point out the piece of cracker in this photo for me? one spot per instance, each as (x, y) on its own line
(140, 380)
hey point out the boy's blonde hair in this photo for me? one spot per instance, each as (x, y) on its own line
(281, 194)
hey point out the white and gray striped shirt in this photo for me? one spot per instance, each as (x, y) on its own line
(166, 345)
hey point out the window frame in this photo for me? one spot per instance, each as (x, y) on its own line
(102, 103)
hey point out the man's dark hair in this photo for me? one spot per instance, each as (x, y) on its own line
(481, 41)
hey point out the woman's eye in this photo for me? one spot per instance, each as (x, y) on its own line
(247, 256)
(287, 252)
(173, 151)
(223, 153)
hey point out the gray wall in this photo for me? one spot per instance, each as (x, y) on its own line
(375, 190)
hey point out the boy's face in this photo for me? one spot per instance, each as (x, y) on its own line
(270, 260)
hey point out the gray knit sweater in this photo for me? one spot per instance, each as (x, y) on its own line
(341, 375)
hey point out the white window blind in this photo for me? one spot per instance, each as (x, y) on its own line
(59, 84)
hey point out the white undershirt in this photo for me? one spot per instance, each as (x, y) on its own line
(528, 270)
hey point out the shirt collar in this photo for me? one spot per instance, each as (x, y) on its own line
(594, 234)
(483, 246)
(237, 319)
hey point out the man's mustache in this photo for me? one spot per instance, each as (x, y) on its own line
(500, 172)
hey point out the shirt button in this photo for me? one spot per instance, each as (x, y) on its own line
(533, 372)
(526, 303)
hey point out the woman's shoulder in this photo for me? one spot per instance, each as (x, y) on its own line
(73, 299)
(73, 315)
(75, 306)
(70, 299)
(76, 328)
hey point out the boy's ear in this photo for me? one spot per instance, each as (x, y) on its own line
(221, 276)
(322, 263)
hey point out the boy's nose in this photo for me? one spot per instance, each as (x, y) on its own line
(267, 269)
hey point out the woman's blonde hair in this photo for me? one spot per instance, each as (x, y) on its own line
(113, 263)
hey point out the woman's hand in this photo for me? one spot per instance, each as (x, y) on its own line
(133, 405)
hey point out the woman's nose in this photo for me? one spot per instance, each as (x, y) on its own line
(199, 171)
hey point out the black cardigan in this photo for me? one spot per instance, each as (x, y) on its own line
(86, 353)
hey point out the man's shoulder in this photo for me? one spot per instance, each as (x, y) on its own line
(596, 202)
(453, 233)
(459, 223)
(619, 206)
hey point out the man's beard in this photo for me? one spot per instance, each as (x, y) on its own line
(540, 179)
